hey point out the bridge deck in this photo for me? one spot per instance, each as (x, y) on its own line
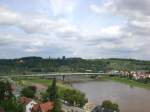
(56, 74)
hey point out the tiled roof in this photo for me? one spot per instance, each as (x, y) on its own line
(43, 107)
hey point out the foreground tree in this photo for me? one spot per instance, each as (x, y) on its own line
(53, 96)
(8, 101)
(5, 90)
(29, 92)
(11, 105)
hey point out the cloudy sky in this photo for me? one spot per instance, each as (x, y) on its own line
(75, 28)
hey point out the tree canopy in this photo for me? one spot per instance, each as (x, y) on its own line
(107, 104)
(29, 92)
(8, 101)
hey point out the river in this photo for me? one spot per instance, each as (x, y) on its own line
(130, 99)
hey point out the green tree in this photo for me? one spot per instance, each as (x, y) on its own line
(5, 90)
(7, 100)
(74, 97)
(107, 104)
(29, 92)
(11, 105)
(64, 69)
(54, 97)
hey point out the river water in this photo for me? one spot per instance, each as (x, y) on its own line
(130, 99)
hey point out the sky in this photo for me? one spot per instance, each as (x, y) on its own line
(75, 28)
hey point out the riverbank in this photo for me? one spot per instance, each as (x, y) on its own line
(127, 81)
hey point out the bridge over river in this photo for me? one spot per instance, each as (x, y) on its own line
(60, 76)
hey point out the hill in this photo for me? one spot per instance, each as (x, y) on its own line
(27, 65)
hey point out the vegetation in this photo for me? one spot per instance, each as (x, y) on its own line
(66, 93)
(29, 92)
(11, 105)
(39, 65)
(7, 101)
(52, 95)
(107, 104)
(74, 97)
(130, 82)
(5, 90)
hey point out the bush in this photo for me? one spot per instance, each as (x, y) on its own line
(29, 92)
(107, 104)
(11, 105)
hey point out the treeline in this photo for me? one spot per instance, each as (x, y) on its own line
(43, 65)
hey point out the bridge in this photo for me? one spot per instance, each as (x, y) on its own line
(63, 75)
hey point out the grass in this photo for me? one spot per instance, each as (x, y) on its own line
(40, 81)
(130, 82)
(46, 82)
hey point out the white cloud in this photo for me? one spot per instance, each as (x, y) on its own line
(134, 36)
(112, 31)
(96, 8)
(63, 7)
(8, 17)
(31, 23)
(46, 35)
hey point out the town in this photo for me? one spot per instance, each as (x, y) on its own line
(136, 75)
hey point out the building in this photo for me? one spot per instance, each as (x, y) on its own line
(28, 103)
(63, 57)
(43, 107)
(140, 75)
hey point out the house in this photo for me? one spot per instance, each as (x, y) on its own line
(43, 107)
(140, 75)
(28, 102)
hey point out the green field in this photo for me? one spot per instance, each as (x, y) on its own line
(46, 82)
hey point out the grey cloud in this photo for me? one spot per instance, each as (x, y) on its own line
(132, 6)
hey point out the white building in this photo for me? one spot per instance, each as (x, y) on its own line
(28, 103)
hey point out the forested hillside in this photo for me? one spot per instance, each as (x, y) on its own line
(42, 65)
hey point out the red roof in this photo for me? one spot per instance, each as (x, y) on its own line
(43, 107)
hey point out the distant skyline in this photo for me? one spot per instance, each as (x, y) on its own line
(75, 28)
